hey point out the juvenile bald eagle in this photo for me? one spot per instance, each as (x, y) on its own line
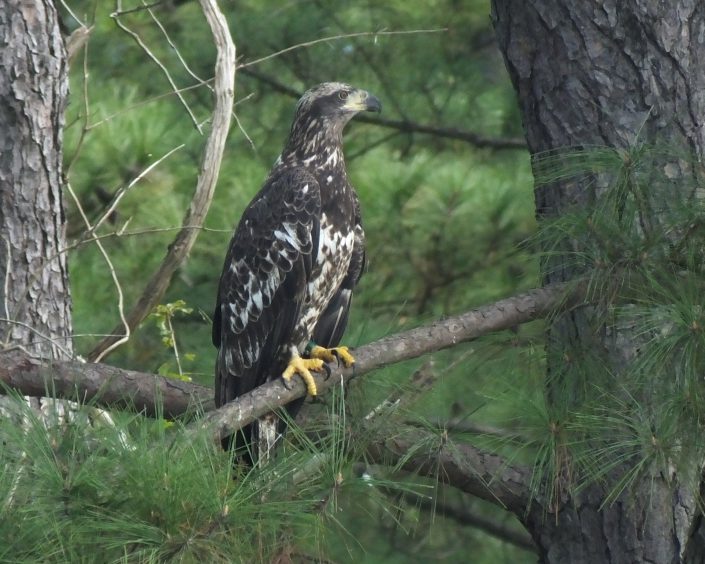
(293, 262)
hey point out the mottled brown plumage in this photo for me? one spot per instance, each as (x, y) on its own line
(294, 259)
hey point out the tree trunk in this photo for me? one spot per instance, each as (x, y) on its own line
(608, 73)
(35, 302)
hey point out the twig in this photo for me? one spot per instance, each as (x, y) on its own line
(447, 132)
(54, 342)
(335, 38)
(122, 233)
(86, 112)
(403, 125)
(113, 274)
(71, 13)
(136, 37)
(123, 190)
(224, 88)
(137, 9)
(183, 62)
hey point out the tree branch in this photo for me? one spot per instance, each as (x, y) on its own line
(404, 126)
(107, 385)
(103, 384)
(472, 470)
(224, 93)
(469, 518)
(504, 314)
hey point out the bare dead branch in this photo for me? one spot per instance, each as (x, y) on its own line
(136, 37)
(447, 132)
(403, 126)
(103, 384)
(224, 93)
(172, 44)
(116, 282)
(337, 37)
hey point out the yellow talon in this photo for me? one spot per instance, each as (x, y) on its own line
(303, 367)
(329, 355)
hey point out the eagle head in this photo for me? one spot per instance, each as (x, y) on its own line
(324, 110)
(335, 101)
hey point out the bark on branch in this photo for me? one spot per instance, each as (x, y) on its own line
(101, 383)
(504, 314)
(480, 473)
(224, 93)
(109, 386)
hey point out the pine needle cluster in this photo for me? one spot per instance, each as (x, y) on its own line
(623, 398)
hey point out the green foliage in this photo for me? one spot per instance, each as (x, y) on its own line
(158, 496)
(629, 406)
(444, 223)
(163, 314)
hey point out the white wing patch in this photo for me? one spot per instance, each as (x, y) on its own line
(334, 252)
(254, 293)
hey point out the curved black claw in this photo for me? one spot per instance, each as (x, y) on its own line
(286, 383)
(328, 370)
(336, 354)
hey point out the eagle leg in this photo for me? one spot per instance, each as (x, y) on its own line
(303, 367)
(329, 355)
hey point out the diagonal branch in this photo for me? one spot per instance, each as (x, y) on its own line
(404, 126)
(475, 519)
(107, 385)
(480, 473)
(501, 315)
(224, 92)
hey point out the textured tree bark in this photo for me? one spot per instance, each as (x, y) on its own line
(35, 303)
(610, 73)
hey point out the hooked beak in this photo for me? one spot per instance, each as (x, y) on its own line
(372, 103)
(362, 101)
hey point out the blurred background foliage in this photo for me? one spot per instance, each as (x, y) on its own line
(447, 220)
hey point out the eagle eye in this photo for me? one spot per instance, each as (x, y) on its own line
(343, 94)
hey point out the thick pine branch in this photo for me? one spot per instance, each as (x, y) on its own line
(472, 518)
(465, 467)
(107, 385)
(477, 472)
(102, 384)
(501, 315)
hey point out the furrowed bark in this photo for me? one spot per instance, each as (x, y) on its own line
(35, 302)
(621, 75)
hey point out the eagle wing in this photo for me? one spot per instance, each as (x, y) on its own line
(264, 280)
(332, 322)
